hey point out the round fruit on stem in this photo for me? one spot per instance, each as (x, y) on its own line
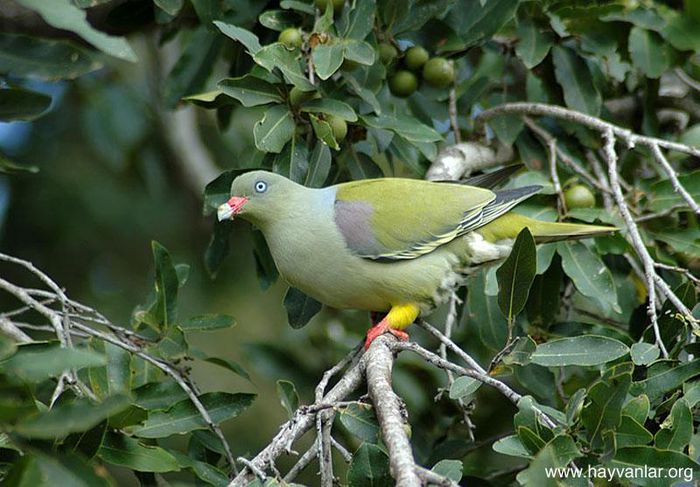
(438, 72)
(339, 127)
(387, 53)
(416, 57)
(403, 83)
(291, 37)
(297, 97)
(579, 196)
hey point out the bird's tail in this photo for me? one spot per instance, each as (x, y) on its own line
(508, 226)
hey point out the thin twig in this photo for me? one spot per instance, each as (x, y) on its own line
(452, 107)
(673, 177)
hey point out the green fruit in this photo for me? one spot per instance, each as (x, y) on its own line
(579, 196)
(387, 53)
(438, 72)
(337, 5)
(290, 37)
(403, 83)
(297, 97)
(416, 57)
(339, 127)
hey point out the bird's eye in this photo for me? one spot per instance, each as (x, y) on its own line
(260, 187)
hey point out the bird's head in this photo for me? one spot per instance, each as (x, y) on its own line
(258, 196)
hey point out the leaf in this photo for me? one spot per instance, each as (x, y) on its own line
(274, 130)
(299, 6)
(208, 322)
(288, 396)
(7, 347)
(203, 470)
(34, 365)
(278, 56)
(574, 77)
(369, 468)
(640, 459)
(603, 408)
(359, 52)
(360, 420)
(511, 446)
(62, 14)
(119, 449)
(9, 167)
(41, 470)
(264, 263)
(279, 19)
(324, 132)
(663, 377)
(75, 416)
(464, 386)
(251, 91)
(516, 274)
(420, 12)
(556, 454)
(218, 191)
(184, 417)
(520, 353)
(677, 428)
(649, 53)
(637, 408)
(686, 240)
(476, 22)
(293, 161)
(483, 314)
(631, 433)
(331, 107)
(300, 307)
(319, 166)
(663, 196)
(228, 364)
(115, 377)
(166, 287)
(407, 127)
(533, 44)
(170, 7)
(681, 31)
(359, 165)
(25, 56)
(361, 20)
(589, 274)
(327, 59)
(21, 104)
(158, 395)
(218, 247)
(249, 40)
(587, 350)
(644, 353)
(452, 469)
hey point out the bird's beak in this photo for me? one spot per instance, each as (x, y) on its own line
(231, 208)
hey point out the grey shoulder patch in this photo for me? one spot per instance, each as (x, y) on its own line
(353, 221)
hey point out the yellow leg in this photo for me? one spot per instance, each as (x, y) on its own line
(398, 318)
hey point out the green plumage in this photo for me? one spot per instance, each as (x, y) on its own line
(384, 243)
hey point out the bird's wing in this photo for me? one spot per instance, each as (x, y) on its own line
(394, 219)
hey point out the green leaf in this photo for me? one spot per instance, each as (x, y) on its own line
(452, 469)
(279, 19)
(21, 104)
(158, 395)
(7, 347)
(184, 417)
(483, 314)
(637, 408)
(228, 364)
(278, 56)
(299, 6)
(407, 127)
(319, 166)
(331, 107)
(413, 18)
(62, 14)
(274, 130)
(681, 31)
(603, 408)
(218, 191)
(130, 416)
(574, 406)
(360, 420)
(115, 377)
(587, 350)
(663, 377)
(631, 433)
(25, 56)
(119, 449)
(9, 167)
(327, 59)
(677, 428)
(369, 468)
(558, 453)
(359, 52)
(359, 164)
(218, 247)
(589, 274)
(686, 240)
(521, 352)
(361, 20)
(574, 77)
(41, 470)
(249, 40)
(644, 353)
(35, 364)
(64, 419)
(166, 287)
(208, 322)
(170, 7)
(194, 66)
(251, 91)
(649, 53)
(478, 21)
(464, 386)
(293, 161)
(663, 196)
(203, 470)
(640, 459)
(533, 44)
(288, 396)
(511, 446)
(516, 274)
(300, 307)
(324, 132)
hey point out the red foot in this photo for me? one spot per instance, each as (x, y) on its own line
(381, 328)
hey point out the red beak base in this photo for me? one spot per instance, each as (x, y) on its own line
(231, 208)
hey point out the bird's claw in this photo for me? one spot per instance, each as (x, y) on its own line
(381, 328)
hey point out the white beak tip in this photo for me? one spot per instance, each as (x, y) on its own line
(224, 212)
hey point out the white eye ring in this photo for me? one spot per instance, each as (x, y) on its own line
(260, 187)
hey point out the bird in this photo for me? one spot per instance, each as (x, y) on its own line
(396, 247)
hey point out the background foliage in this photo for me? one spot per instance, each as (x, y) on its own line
(92, 175)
